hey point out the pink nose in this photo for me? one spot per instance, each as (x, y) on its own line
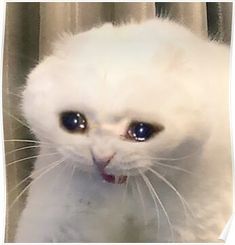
(102, 161)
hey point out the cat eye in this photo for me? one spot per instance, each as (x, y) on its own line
(141, 131)
(73, 121)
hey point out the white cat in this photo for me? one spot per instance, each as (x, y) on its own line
(134, 129)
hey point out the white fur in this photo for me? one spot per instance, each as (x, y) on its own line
(156, 71)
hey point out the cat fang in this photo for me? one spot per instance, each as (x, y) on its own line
(114, 179)
(109, 178)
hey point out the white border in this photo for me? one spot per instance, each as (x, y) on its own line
(117, 243)
(63, 1)
(2, 158)
(229, 232)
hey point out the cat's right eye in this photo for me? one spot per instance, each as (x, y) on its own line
(74, 122)
(141, 131)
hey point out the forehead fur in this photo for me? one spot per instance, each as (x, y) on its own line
(138, 67)
(129, 41)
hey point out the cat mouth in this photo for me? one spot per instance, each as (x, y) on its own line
(110, 178)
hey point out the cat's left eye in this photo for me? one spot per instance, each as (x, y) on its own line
(73, 121)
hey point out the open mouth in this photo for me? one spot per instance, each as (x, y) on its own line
(110, 178)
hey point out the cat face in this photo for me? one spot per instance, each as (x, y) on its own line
(121, 100)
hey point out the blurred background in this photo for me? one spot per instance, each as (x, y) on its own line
(32, 27)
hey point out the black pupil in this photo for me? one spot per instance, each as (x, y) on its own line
(142, 131)
(73, 121)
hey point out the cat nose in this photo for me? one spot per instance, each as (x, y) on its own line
(102, 161)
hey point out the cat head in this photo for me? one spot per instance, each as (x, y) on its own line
(124, 96)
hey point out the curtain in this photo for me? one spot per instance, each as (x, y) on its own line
(30, 29)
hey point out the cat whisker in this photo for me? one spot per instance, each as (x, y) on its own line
(145, 157)
(37, 178)
(17, 119)
(31, 175)
(29, 141)
(141, 200)
(22, 122)
(175, 168)
(185, 204)
(74, 167)
(174, 158)
(36, 142)
(58, 175)
(154, 200)
(31, 157)
(24, 148)
(125, 190)
(69, 177)
(168, 166)
(154, 192)
(171, 159)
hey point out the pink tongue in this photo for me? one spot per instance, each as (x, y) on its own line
(111, 178)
